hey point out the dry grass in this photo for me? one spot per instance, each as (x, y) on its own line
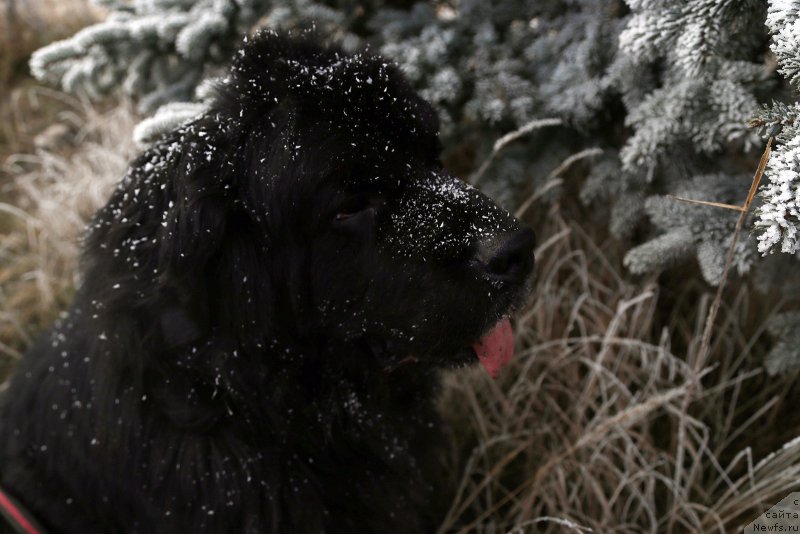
(26, 25)
(599, 424)
(583, 432)
(54, 194)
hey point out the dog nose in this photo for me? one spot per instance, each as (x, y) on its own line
(512, 259)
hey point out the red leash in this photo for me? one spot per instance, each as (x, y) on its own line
(16, 516)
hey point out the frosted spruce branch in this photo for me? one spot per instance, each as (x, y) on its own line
(159, 50)
(778, 223)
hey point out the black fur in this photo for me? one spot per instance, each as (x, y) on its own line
(265, 302)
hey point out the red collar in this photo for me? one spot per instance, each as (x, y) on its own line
(17, 516)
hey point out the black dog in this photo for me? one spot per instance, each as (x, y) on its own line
(265, 304)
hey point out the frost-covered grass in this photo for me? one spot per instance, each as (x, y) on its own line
(602, 422)
(605, 423)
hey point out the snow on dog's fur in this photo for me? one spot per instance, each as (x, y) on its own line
(266, 301)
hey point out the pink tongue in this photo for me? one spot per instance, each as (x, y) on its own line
(496, 348)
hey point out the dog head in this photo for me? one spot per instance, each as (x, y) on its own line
(310, 203)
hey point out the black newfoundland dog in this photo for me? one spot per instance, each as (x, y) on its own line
(266, 301)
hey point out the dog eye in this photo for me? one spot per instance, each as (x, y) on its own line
(345, 215)
(354, 209)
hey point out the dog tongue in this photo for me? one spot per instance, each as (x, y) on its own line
(496, 348)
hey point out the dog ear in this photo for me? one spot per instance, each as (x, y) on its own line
(168, 215)
(202, 186)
